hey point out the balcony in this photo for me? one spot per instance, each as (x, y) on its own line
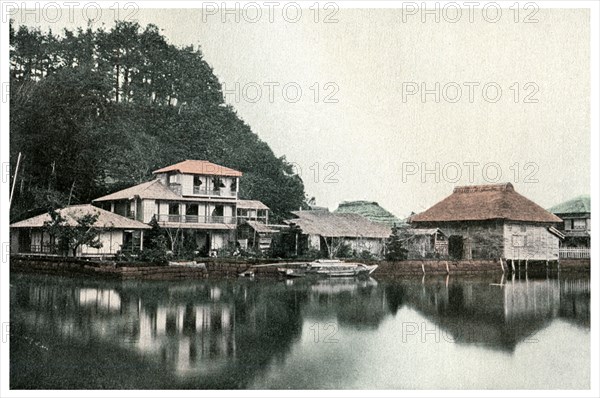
(219, 192)
(184, 219)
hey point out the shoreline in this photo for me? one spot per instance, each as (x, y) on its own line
(231, 268)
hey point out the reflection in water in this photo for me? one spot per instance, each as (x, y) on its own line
(233, 333)
(499, 315)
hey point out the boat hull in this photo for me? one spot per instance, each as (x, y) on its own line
(329, 270)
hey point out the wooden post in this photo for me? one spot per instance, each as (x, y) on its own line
(296, 244)
(526, 261)
(423, 267)
(447, 268)
(512, 264)
(12, 189)
(501, 265)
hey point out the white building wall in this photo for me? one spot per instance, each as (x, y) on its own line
(112, 241)
(149, 209)
(187, 184)
(218, 240)
(314, 242)
(530, 242)
(374, 246)
(14, 241)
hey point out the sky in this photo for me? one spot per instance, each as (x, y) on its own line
(505, 101)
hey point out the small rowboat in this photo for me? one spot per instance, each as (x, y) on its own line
(328, 268)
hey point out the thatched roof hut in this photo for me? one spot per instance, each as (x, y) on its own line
(486, 202)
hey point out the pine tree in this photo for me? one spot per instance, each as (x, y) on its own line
(394, 247)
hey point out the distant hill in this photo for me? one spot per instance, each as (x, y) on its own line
(94, 111)
(370, 210)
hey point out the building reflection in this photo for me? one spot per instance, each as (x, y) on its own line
(221, 334)
(499, 314)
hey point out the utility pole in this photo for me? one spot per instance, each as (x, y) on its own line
(12, 190)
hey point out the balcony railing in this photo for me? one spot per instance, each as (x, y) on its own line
(177, 218)
(574, 252)
(217, 192)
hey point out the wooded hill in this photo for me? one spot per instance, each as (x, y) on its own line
(94, 111)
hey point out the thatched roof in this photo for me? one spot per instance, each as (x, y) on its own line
(148, 190)
(252, 205)
(486, 202)
(370, 210)
(338, 225)
(200, 167)
(580, 204)
(106, 219)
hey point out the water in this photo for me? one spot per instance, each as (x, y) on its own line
(432, 333)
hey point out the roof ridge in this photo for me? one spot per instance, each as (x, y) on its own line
(507, 186)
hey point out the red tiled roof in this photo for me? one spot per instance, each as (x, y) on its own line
(486, 202)
(200, 167)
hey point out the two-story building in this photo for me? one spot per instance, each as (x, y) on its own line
(195, 199)
(576, 216)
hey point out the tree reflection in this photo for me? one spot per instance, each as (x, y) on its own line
(224, 334)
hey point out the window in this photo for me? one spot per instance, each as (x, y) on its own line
(174, 179)
(217, 183)
(579, 223)
(191, 210)
(218, 211)
(197, 181)
(174, 209)
(519, 240)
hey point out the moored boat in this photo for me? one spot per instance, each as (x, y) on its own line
(329, 268)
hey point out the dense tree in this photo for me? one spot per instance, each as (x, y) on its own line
(69, 237)
(94, 111)
(395, 250)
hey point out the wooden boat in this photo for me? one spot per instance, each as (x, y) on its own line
(328, 268)
(191, 264)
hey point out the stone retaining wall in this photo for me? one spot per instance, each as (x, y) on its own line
(224, 268)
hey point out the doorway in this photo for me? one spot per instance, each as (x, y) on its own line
(455, 247)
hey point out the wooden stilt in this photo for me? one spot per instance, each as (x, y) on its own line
(447, 268)
(423, 268)
(512, 264)
(502, 266)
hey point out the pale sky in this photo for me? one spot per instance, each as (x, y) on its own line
(370, 58)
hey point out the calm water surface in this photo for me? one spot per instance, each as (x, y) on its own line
(432, 333)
